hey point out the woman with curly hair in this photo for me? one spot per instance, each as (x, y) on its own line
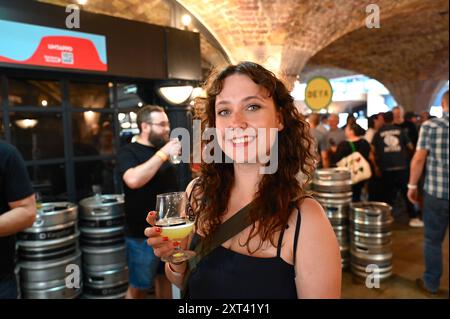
(289, 249)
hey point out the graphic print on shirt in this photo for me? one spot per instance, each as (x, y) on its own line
(391, 141)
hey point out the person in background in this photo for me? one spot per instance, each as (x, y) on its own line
(423, 117)
(146, 172)
(410, 124)
(352, 134)
(289, 250)
(17, 212)
(403, 120)
(323, 125)
(375, 122)
(432, 151)
(332, 139)
(374, 186)
(391, 148)
(319, 137)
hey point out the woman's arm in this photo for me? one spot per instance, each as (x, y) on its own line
(318, 261)
(163, 247)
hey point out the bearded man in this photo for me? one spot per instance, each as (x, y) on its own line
(145, 172)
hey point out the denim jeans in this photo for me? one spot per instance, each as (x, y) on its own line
(393, 182)
(435, 218)
(8, 288)
(142, 263)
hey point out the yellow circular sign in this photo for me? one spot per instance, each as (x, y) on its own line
(318, 93)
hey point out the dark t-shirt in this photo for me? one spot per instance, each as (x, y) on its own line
(138, 202)
(391, 151)
(344, 149)
(14, 185)
(411, 131)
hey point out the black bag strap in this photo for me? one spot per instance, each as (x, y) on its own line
(232, 226)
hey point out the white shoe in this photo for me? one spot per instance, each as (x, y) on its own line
(415, 222)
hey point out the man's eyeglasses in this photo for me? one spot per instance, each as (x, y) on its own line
(162, 124)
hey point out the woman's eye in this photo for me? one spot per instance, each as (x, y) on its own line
(223, 113)
(253, 107)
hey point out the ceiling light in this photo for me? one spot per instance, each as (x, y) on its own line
(176, 94)
(82, 2)
(26, 123)
(186, 20)
(44, 103)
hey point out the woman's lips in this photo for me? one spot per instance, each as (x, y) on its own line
(242, 141)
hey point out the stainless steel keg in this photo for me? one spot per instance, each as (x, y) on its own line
(95, 208)
(104, 258)
(370, 228)
(56, 289)
(332, 180)
(105, 284)
(102, 236)
(47, 279)
(53, 221)
(371, 216)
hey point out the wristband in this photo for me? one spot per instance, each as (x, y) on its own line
(162, 155)
(410, 186)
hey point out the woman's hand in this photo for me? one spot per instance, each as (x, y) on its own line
(162, 246)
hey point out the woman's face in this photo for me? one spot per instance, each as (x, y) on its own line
(245, 117)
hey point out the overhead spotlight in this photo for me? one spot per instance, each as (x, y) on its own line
(176, 94)
(26, 123)
(186, 20)
(82, 2)
(44, 103)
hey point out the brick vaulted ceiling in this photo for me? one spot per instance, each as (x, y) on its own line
(408, 53)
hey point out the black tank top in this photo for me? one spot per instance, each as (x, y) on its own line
(225, 274)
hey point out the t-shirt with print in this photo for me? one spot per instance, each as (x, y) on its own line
(138, 202)
(14, 185)
(391, 150)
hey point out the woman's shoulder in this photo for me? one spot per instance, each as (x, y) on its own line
(312, 214)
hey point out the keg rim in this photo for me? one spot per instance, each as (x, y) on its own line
(33, 265)
(102, 250)
(101, 230)
(363, 206)
(34, 230)
(93, 201)
(47, 243)
(41, 212)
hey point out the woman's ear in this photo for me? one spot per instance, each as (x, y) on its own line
(280, 121)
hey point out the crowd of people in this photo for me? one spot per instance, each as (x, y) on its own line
(388, 145)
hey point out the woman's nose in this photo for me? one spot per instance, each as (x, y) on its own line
(238, 120)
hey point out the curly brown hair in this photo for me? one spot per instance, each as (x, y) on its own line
(277, 193)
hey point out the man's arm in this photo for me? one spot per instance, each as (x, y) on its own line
(21, 216)
(416, 170)
(138, 176)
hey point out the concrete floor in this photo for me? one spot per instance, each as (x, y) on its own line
(407, 247)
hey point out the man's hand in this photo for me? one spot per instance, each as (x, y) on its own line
(173, 147)
(413, 196)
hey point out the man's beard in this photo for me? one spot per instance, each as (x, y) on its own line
(157, 141)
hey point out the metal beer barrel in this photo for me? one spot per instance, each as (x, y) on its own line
(102, 223)
(371, 248)
(46, 249)
(332, 188)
